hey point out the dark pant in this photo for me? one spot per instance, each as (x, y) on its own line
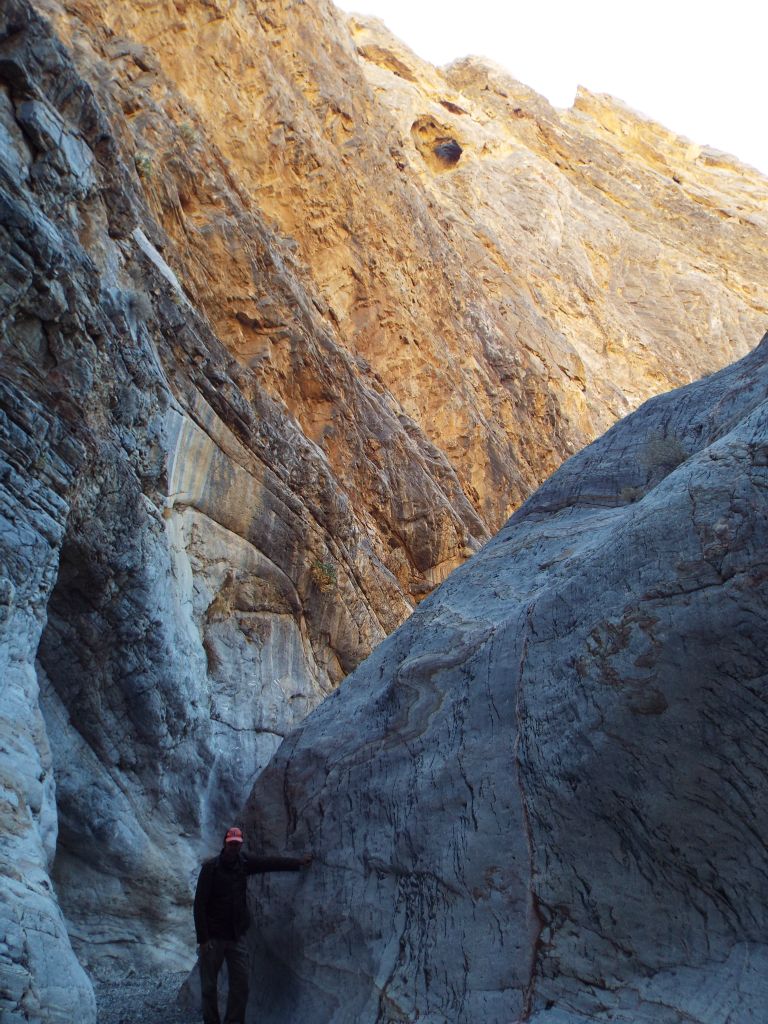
(211, 958)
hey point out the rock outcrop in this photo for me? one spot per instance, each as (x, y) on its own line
(512, 299)
(541, 799)
(182, 578)
(290, 322)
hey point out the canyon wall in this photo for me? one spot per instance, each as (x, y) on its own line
(182, 578)
(513, 295)
(291, 322)
(540, 799)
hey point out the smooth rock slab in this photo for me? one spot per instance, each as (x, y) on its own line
(542, 798)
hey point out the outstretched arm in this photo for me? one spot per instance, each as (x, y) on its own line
(259, 865)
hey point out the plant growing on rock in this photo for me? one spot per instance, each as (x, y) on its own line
(631, 494)
(188, 132)
(324, 576)
(662, 452)
(144, 165)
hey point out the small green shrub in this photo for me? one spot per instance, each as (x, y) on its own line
(663, 452)
(324, 576)
(140, 305)
(188, 132)
(144, 165)
(630, 494)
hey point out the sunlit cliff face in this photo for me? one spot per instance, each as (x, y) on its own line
(512, 277)
(291, 321)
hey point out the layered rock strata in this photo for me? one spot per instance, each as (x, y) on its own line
(540, 799)
(270, 369)
(514, 297)
(182, 578)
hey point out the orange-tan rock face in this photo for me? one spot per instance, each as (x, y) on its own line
(289, 321)
(511, 277)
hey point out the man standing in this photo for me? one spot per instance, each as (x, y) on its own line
(221, 921)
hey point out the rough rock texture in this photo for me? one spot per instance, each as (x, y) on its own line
(181, 577)
(289, 322)
(514, 300)
(542, 798)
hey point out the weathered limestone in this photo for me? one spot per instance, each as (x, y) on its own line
(511, 304)
(39, 973)
(182, 578)
(289, 322)
(541, 798)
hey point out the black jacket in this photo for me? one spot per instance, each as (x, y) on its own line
(221, 910)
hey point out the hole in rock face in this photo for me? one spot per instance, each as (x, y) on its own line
(447, 150)
(436, 143)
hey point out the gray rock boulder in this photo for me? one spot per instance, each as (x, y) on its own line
(542, 798)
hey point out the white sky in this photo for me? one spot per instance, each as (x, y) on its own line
(697, 67)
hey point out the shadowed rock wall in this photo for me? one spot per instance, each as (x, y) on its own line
(181, 577)
(540, 799)
(265, 379)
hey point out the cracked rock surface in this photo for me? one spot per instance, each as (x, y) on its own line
(542, 798)
(228, 469)
(163, 620)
